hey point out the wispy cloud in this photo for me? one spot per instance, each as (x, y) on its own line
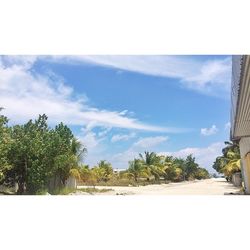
(24, 94)
(209, 131)
(210, 77)
(149, 142)
(122, 137)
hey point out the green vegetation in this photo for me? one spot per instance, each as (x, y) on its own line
(38, 159)
(229, 162)
(148, 168)
(32, 155)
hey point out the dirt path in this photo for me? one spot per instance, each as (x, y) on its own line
(212, 186)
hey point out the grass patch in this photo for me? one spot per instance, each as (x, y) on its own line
(94, 190)
(67, 191)
(125, 183)
(63, 191)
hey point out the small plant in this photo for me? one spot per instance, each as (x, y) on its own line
(42, 192)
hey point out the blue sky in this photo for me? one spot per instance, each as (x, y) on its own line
(119, 106)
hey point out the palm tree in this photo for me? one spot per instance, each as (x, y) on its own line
(149, 158)
(136, 169)
(78, 149)
(107, 170)
(233, 163)
(229, 162)
(152, 163)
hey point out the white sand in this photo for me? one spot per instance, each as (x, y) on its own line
(212, 186)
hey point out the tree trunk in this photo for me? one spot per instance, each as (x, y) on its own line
(21, 187)
(21, 181)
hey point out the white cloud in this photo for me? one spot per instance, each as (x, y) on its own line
(25, 94)
(122, 137)
(104, 131)
(95, 148)
(211, 77)
(90, 140)
(227, 126)
(209, 131)
(26, 62)
(150, 142)
(204, 156)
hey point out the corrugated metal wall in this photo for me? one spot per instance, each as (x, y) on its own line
(244, 146)
(240, 110)
(235, 83)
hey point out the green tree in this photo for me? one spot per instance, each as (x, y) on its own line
(190, 166)
(4, 146)
(153, 164)
(106, 169)
(229, 162)
(37, 154)
(149, 158)
(201, 173)
(66, 151)
(136, 169)
(179, 163)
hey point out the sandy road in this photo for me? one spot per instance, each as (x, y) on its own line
(212, 186)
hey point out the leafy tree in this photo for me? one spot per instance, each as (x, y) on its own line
(201, 173)
(191, 166)
(37, 154)
(4, 146)
(219, 163)
(27, 155)
(66, 152)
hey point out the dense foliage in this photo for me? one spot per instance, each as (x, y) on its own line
(229, 162)
(32, 154)
(4, 146)
(168, 168)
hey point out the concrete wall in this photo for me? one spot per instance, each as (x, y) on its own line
(55, 183)
(71, 182)
(237, 180)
